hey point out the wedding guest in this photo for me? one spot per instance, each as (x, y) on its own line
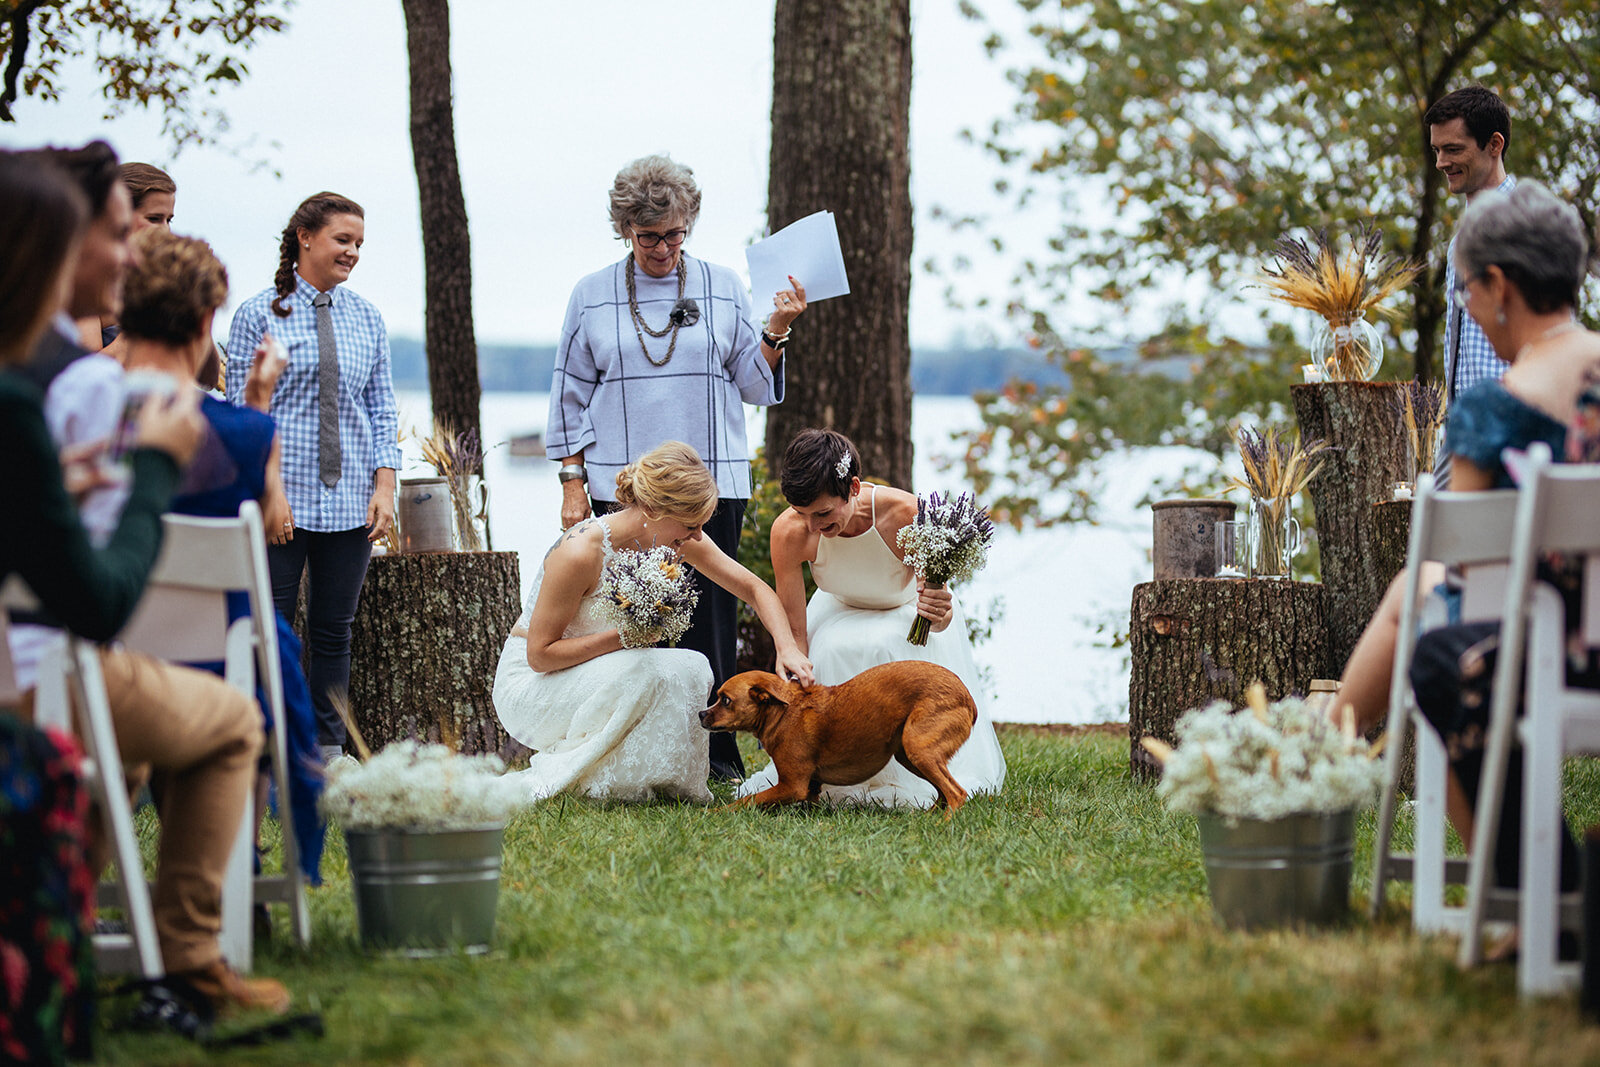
(866, 599)
(189, 723)
(335, 408)
(662, 346)
(603, 718)
(155, 197)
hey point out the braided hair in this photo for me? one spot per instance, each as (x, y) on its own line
(312, 215)
(818, 463)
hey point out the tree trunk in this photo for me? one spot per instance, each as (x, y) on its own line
(425, 644)
(1391, 537)
(451, 345)
(1197, 640)
(1362, 421)
(841, 102)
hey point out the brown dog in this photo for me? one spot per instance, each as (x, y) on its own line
(918, 713)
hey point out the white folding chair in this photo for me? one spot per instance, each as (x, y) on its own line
(1559, 511)
(69, 678)
(1469, 529)
(183, 617)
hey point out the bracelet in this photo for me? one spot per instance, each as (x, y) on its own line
(777, 344)
(573, 472)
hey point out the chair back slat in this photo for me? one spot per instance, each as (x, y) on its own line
(183, 615)
(203, 553)
(1569, 509)
(1470, 527)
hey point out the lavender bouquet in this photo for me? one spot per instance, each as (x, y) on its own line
(948, 542)
(649, 596)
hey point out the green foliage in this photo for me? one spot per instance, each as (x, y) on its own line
(167, 57)
(1063, 921)
(755, 552)
(1212, 127)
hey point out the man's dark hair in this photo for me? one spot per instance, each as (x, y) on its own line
(1484, 113)
(92, 168)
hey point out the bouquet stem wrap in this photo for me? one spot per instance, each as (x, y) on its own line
(922, 626)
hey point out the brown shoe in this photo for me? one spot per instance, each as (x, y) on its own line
(228, 990)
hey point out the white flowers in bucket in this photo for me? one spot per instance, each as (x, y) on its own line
(418, 785)
(1276, 760)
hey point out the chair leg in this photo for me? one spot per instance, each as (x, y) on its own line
(1539, 909)
(1428, 851)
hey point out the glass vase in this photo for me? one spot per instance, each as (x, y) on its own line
(1274, 536)
(1348, 348)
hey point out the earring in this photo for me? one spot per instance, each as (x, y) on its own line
(1500, 316)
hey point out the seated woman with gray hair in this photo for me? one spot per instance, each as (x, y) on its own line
(657, 347)
(1522, 257)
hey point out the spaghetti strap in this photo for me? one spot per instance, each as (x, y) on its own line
(605, 535)
(874, 506)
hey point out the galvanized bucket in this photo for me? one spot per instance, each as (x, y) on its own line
(426, 517)
(426, 892)
(1279, 872)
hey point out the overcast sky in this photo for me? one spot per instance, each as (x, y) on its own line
(551, 99)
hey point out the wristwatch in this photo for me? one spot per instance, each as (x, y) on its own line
(573, 472)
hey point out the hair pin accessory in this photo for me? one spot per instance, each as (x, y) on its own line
(842, 468)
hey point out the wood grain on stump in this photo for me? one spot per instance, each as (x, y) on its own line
(1197, 640)
(1362, 423)
(425, 643)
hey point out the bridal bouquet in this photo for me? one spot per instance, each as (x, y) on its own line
(1273, 761)
(648, 596)
(948, 542)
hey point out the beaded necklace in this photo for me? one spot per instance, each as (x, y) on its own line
(675, 321)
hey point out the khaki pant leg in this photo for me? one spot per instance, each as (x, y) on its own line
(203, 736)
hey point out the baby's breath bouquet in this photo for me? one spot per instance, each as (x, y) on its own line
(1276, 760)
(648, 596)
(948, 542)
(418, 785)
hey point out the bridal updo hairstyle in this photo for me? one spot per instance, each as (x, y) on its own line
(652, 189)
(312, 215)
(171, 286)
(819, 463)
(670, 480)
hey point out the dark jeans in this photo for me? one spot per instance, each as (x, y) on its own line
(338, 563)
(714, 633)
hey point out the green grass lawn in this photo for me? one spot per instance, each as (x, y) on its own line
(1064, 921)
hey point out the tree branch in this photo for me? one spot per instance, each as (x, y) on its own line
(18, 21)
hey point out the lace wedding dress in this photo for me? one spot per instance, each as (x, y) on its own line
(859, 618)
(622, 726)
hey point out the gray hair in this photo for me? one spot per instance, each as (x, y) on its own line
(1536, 239)
(650, 190)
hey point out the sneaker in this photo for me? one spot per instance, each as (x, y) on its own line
(227, 989)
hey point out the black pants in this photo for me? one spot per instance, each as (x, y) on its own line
(714, 633)
(338, 563)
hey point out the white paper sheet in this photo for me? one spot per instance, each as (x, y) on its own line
(808, 250)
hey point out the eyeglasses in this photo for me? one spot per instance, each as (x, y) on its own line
(674, 238)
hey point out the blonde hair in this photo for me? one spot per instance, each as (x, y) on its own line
(173, 284)
(669, 480)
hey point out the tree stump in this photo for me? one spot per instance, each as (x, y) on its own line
(1196, 640)
(1391, 537)
(424, 647)
(1362, 423)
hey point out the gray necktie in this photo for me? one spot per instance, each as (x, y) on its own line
(327, 393)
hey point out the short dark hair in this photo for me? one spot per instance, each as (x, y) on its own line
(812, 464)
(93, 168)
(1484, 113)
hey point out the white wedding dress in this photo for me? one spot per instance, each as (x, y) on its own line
(622, 726)
(858, 618)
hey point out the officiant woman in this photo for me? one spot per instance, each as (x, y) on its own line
(661, 346)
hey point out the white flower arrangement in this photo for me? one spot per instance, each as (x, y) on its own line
(426, 786)
(1273, 761)
(948, 542)
(648, 596)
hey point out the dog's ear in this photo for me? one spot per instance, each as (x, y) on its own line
(767, 695)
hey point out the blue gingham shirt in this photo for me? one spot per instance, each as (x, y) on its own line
(368, 418)
(612, 404)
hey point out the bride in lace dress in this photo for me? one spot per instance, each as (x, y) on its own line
(605, 720)
(865, 602)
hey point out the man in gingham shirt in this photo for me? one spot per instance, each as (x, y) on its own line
(1468, 131)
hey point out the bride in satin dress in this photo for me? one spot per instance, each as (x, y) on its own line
(865, 602)
(604, 720)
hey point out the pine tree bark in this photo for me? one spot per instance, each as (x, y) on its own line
(1195, 640)
(841, 104)
(1362, 423)
(452, 345)
(425, 644)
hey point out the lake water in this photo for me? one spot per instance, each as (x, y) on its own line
(1064, 592)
